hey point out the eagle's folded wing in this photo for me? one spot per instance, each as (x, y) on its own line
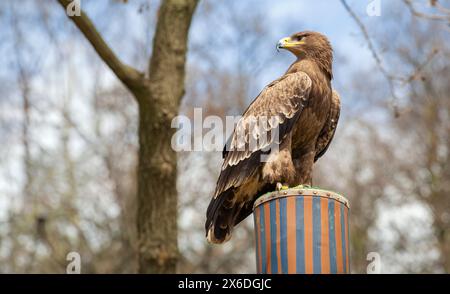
(279, 104)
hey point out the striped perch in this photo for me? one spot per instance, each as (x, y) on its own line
(303, 231)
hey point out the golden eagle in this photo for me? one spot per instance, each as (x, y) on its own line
(303, 109)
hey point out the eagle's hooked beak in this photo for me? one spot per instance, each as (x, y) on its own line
(288, 43)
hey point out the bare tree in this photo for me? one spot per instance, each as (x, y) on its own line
(158, 96)
(421, 124)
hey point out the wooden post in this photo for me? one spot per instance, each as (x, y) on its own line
(302, 230)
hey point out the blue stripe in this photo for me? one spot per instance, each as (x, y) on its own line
(273, 238)
(256, 242)
(332, 236)
(263, 240)
(300, 235)
(344, 249)
(348, 234)
(283, 235)
(317, 236)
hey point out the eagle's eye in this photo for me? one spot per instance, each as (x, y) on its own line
(299, 38)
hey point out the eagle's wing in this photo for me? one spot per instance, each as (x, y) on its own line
(328, 130)
(281, 104)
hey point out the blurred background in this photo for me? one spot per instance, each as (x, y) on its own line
(68, 143)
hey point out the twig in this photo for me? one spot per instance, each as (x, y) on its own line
(131, 77)
(419, 68)
(434, 17)
(389, 77)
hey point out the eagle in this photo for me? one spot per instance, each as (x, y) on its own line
(302, 111)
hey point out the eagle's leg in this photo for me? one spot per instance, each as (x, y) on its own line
(279, 168)
(303, 167)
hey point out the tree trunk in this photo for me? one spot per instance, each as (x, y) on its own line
(157, 173)
(159, 98)
(157, 194)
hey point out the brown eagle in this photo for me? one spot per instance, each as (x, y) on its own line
(304, 110)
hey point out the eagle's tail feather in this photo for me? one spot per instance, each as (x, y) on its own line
(224, 213)
(220, 217)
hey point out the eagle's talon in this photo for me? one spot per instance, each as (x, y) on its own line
(279, 186)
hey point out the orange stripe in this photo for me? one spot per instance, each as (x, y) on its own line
(291, 235)
(277, 213)
(258, 242)
(347, 263)
(308, 235)
(325, 239)
(337, 219)
(267, 232)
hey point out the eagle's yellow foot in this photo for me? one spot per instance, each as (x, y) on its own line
(280, 187)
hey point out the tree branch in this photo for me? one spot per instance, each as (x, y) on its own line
(435, 17)
(390, 78)
(132, 78)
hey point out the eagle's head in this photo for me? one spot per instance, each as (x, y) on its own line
(309, 45)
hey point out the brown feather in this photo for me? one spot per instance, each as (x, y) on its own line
(327, 133)
(303, 111)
